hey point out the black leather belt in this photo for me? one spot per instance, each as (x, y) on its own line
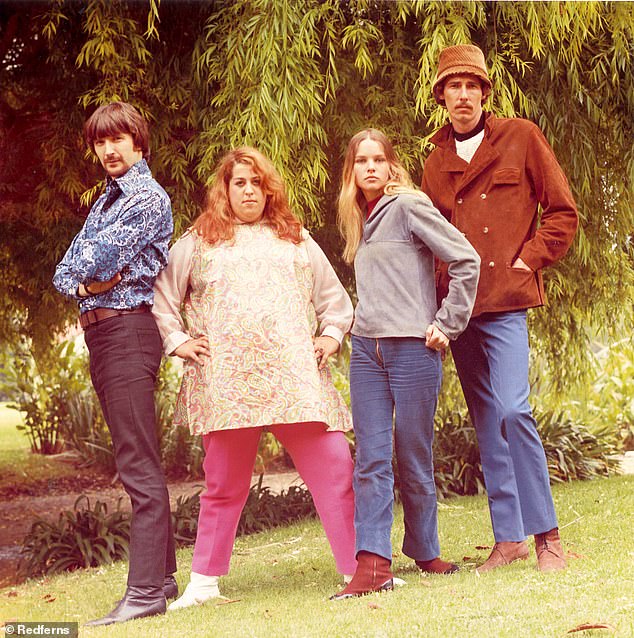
(99, 314)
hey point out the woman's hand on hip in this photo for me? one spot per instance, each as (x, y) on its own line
(324, 347)
(435, 338)
(193, 350)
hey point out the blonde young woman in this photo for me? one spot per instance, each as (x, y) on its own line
(392, 234)
(254, 285)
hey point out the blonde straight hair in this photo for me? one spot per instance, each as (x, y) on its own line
(350, 203)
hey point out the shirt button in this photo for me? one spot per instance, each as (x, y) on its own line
(491, 264)
(460, 200)
(483, 196)
(485, 230)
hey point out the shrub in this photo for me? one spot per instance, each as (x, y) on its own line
(60, 405)
(609, 401)
(185, 518)
(575, 452)
(458, 470)
(86, 431)
(263, 510)
(82, 537)
(42, 389)
(89, 536)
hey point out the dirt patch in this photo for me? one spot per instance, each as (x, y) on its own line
(80, 482)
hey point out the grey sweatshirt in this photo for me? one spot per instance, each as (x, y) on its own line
(394, 268)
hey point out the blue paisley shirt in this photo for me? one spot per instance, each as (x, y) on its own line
(127, 231)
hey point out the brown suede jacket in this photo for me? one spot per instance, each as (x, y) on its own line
(494, 201)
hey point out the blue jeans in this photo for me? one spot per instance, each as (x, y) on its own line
(491, 358)
(394, 382)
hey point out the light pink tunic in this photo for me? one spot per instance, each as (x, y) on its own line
(258, 300)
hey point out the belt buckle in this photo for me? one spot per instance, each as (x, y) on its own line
(88, 319)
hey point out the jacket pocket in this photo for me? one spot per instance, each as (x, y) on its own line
(506, 176)
(520, 287)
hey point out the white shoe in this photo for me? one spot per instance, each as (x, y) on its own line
(200, 589)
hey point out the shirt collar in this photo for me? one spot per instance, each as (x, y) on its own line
(444, 138)
(130, 178)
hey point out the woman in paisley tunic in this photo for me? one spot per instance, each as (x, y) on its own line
(254, 285)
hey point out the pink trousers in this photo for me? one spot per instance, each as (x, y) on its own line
(324, 463)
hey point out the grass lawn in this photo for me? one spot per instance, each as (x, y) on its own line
(18, 465)
(280, 582)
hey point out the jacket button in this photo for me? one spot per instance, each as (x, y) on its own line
(485, 230)
(491, 264)
(483, 196)
(460, 200)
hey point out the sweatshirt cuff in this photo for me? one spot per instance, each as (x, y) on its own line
(450, 333)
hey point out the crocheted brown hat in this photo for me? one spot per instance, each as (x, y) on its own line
(461, 59)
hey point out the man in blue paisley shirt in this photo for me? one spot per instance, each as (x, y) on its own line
(110, 268)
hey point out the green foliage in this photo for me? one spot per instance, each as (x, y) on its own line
(573, 452)
(46, 393)
(340, 371)
(457, 468)
(86, 432)
(88, 536)
(182, 454)
(270, 452)
(62, 410)
(297, 79)
(263, 510)
(609, 400)
(185, 518)
(60, 407)
(83, 537)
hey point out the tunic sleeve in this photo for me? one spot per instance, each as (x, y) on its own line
(170, 290)
(332, 302)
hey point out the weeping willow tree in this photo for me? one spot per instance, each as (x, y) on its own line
(297, 78)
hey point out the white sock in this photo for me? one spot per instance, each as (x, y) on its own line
(199, 589)
(347, 578)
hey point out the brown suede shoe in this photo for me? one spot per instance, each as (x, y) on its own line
(550, 554)
(373, 574)
(437, 566)
(504, 553)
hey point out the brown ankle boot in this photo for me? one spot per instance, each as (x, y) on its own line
(437, 566)
(373, 574)
(550, 554)
(504, 553)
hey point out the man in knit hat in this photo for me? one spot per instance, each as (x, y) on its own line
(498, 181)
